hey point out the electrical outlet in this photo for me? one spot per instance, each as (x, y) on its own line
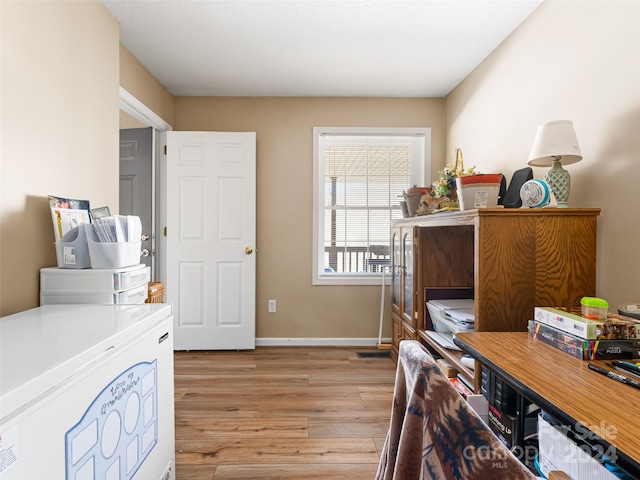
(272, 306)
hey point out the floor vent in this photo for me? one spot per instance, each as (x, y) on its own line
(385, 354)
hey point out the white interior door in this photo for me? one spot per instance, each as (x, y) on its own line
(210, 244)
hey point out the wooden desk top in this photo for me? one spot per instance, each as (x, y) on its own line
(557, 381)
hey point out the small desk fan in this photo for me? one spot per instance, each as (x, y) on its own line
(534, 193)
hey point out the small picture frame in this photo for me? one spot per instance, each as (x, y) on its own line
(99, 212)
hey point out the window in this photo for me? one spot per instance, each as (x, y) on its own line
(359, 177)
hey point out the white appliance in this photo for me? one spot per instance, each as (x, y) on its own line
(86, 392)
(94, 285)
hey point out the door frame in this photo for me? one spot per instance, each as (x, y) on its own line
(142, 113)
(135, 108)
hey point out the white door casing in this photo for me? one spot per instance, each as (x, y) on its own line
(210, 243)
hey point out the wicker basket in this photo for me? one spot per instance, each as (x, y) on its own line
(156, 293)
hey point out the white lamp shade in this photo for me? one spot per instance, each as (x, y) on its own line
(555, 139)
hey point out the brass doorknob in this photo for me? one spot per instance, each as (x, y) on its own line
(248, 250)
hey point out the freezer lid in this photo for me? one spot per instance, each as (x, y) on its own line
(42, 347)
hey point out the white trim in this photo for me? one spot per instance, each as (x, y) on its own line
(138, 110)
(142, 113)
(319, 342)
(423, 177)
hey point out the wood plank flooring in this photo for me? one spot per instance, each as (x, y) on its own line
(281, 413)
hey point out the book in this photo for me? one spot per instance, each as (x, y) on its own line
(582, 348)
(467, 383)
(504, 425)
(613, 327)
(461, 387)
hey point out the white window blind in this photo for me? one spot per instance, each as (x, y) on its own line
(360, 177)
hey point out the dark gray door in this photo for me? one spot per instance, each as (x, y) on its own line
(136, 181)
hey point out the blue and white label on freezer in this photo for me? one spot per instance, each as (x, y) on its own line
(118, 430)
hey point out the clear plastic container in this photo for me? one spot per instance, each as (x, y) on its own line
(594, 307)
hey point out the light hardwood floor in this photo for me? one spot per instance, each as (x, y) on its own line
(281, 413)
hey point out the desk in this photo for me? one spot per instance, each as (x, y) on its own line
(565, 387)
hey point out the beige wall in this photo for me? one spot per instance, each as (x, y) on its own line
(283, 128)
(578, 61)
(139, 82)
(127, 121)
(59, 108)
(59, 120)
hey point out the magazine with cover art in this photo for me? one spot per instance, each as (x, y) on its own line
(67, 214)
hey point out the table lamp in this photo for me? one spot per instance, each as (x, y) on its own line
(556, 144)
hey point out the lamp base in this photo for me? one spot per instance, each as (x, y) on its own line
(559, 182)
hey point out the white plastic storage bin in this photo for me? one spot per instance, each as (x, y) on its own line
(112, 255)
(56, 280)
(130, 296)
(72, 251)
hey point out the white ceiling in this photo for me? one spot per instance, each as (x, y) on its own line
(316, 48)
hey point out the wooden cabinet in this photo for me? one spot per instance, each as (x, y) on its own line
(509, 260)
(403, 292)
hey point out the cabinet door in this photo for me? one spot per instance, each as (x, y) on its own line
(397, 334)
(396, 269)
(407, 275)
(408, 333)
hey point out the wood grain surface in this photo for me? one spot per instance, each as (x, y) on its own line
(514, 259)
(281, 413)
(607, 407)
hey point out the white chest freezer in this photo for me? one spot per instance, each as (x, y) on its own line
(94, 286)
(86, 392)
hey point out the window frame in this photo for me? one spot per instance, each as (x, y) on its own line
(420, 175)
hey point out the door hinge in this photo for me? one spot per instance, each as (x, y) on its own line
(165, 231)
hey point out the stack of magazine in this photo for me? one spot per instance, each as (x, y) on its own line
(568, 330)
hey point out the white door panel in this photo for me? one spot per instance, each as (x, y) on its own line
(210, 222)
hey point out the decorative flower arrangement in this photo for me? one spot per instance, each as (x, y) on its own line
(443, 194)
(446, 182)
(445, 186)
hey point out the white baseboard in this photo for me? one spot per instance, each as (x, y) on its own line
(319, 342)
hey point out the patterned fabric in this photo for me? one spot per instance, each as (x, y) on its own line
(434, 433)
